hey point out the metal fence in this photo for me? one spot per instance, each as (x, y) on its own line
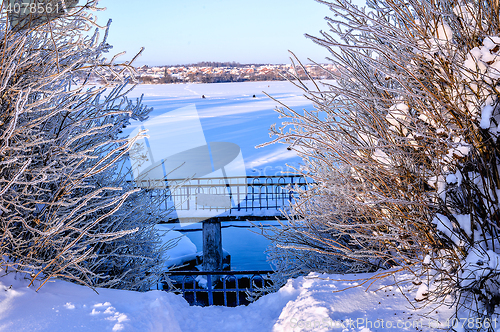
(228, 288)
(231, 194)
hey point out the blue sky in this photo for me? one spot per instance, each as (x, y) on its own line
(189, 31)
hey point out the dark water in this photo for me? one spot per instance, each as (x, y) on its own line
(247, 248)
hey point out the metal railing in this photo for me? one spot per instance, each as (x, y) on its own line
(244, 193)
(217, 288)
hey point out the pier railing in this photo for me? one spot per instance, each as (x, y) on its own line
(236, 195)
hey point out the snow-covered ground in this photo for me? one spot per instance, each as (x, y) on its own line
(180, 248)
(310, 303)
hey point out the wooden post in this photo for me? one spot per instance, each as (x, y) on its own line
(212, 245)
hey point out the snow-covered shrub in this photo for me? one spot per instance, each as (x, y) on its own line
(309, 239)
(65, 208)
(403, 147)
(134, 261)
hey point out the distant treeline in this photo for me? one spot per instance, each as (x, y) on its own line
(210, 78)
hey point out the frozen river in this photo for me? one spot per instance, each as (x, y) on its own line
(230, 113)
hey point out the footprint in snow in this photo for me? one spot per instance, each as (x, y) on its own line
(99, 305)
(114, 315)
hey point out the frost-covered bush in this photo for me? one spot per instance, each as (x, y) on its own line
(66, 210)
(311, 240)
(403, 148)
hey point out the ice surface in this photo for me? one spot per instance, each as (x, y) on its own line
(229, 113)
